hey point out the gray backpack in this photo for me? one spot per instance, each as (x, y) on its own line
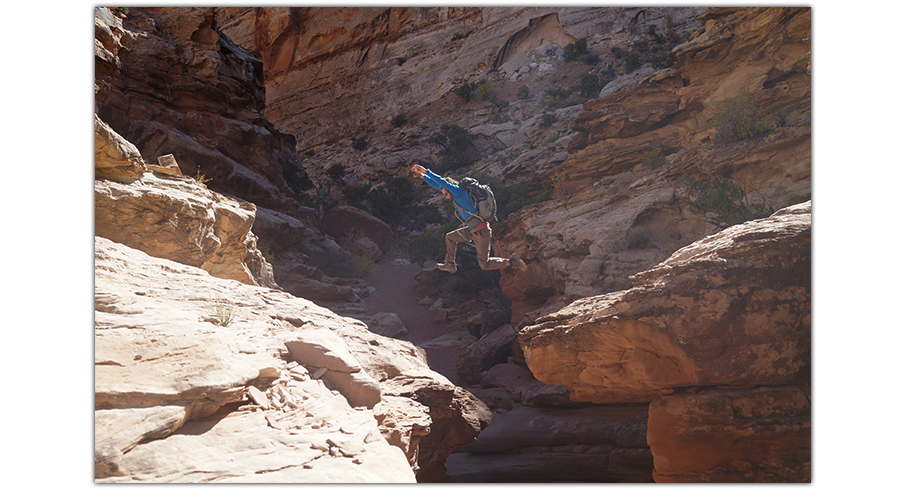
(483, 197)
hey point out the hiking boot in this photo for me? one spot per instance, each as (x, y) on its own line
(449, 267)
(516, 262)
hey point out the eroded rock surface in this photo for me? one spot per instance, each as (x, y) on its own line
(757, 434)
(731, 309)
(199, 378)
(170, 82)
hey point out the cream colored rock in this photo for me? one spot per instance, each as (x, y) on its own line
(160, 367)
(114, 157)
(177, 352)
(175, 218)
(403, 422)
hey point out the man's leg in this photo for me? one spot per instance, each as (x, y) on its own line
(454, 238)
(482, 241)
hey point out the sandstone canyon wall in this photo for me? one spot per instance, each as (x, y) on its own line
(647, 339)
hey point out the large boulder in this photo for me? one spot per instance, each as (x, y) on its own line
(731, 309)
(344, 222)
(492, 349)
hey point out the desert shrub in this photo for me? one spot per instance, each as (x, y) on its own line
(362, 264)
(722, 202)
(335, 264)
(563, 187)
(485, 91)
(547, 119)
(222, 311)
(296, 178)
(590, 85)
(355, 196)
(359, 143)
(574, 50)
(632, 61)
(590, 59)
(496, 112)
(456, 147)
(425, 246)
(465, 91)
(523, 92)
(740, 118)
(509, 198)
(398, 120)
(654, 160)
(336, 172)
(392, 199)
(653, 46)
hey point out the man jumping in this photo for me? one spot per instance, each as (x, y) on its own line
(474, 229)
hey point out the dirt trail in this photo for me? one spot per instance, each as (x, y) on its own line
(395, 286)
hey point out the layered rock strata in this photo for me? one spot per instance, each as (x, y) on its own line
(170, 82)
(732, 311)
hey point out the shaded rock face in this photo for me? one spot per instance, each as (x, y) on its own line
(202, 379)
(758, 434)
(733, 309)
(170, 82)
(344, 221)
(601, 444)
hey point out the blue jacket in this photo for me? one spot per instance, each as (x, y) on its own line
(461, 197)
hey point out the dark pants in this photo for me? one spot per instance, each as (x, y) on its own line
(482, 240)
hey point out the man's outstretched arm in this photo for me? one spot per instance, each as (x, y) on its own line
(432, 179)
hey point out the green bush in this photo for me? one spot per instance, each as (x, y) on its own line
(335, 264)
(336, 172)
(590, 85)
(392, 199)
(362, 264)
(360, 143)
(456, 145)
(654, 160)
(574, 50)
(297, 179)
(398, 121)
(395, 201)
(547, 119)
(740, 118)
(425, 246)
(726, 203)
(485, 91)
(465, 91)
(632, 61)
